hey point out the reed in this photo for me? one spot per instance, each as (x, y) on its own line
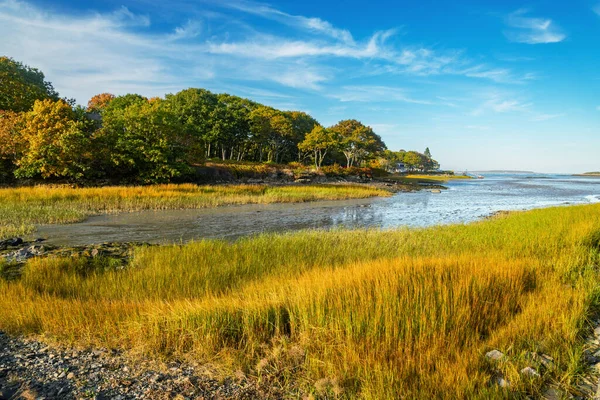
(341, 314)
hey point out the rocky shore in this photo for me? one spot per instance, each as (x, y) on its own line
(15, 252)
(30, 369)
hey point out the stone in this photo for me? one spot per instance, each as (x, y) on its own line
(547, 361)
(500, 381)
(529, 372)
(494, 355)
(553, 394)
(597, 331)
(71, 376)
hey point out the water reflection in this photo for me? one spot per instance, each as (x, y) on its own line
(464, 201)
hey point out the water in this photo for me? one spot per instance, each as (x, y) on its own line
(464, 201)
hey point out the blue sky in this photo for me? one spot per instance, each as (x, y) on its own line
(485, 85)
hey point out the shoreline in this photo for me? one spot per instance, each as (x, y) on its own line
(40, 367)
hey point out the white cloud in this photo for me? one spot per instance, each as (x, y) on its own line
(316, 25)
(373, 94)
(498, 102)
(119, 52)
(188, 31)
(530, 30)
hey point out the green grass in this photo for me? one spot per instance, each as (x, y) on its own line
(342, 314)
(22, 208)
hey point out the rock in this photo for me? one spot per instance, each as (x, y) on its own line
(436, 191)
(529, 372)
(494, 355)
(71, 376)
(597, 331)
(553, 394)
(5, 244)
(547, 361)
(500, 381)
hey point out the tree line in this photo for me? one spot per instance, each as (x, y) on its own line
(134, 138)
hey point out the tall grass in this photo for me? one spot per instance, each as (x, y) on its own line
(341, 314)
(22, 208)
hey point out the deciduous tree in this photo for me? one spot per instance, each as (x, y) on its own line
(21, 86)
(319, 141)
(56, 143)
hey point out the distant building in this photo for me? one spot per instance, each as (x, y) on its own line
(399, 167)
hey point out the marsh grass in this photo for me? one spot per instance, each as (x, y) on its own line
(22, 208)
(341, 314)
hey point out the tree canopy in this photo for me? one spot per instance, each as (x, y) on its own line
(133, 138)
(21, 86)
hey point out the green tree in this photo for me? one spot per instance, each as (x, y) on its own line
(148, 143)
(412, 160)
(271, 130)
(358, 142)
(302, 125)
(427, 153)
(319, 141)
(57, 144)
(194, 109)
(21, 86)
(11, 144)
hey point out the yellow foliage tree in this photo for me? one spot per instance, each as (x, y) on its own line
(56, 144)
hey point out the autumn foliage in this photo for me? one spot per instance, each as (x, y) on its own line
(131, 138)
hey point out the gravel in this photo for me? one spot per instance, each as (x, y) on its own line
(30, 369)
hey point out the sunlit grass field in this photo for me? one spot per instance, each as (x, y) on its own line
(342, 314)
(22, 208)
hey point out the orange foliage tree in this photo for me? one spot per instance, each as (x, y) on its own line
(99, 102)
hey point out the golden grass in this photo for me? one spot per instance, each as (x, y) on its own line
(22, 208)
(341, 314)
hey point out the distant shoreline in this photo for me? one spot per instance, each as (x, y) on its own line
(498, 171)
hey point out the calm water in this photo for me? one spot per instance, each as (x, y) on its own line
(463, 202)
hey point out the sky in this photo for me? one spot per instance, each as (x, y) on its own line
(485, 85)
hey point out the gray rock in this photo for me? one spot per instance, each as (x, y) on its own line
(529, 372)
(500, 381)
(553, 394)
(494, 355)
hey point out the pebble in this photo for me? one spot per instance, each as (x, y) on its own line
(34, 370)
(494, 355)
(530, 372)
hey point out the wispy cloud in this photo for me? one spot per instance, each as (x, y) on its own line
(313, 24)
(502, 102)
(524, 29)
(546, 117)
(499, 102)
(596, 9)
(374, 94)
(121, 52)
